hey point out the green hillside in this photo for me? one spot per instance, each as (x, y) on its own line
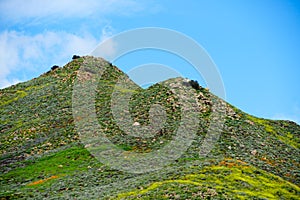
(44, 157)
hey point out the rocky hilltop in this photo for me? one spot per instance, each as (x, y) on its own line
(219, 152)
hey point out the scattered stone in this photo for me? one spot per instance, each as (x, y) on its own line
(136, 124)
(249, 122)
(254, 152)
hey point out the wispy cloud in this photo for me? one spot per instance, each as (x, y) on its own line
(14, 10)
(37, 34)
(23, 53)
(294, 118)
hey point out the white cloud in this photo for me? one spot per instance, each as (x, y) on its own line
(8, 57)
(108, 47)
(27, 53)
(106, 50)
(294, 118)
(21, 53)
(6, 83)
(20, 9)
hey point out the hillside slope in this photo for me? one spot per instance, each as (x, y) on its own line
(44, 156)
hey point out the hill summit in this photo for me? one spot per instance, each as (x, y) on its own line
(158, 144)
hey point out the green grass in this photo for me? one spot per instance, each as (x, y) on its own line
(44, 171)
(235, 181)
(13, 97)
(65, 162)
(286, 137)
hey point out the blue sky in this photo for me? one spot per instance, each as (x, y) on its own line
(255, 44)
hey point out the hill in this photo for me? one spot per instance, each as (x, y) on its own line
(44, 154)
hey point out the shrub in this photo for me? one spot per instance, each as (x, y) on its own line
(195, 84)
(54, 67)
(75, 57)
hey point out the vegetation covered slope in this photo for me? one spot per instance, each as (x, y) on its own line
(42, 155)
